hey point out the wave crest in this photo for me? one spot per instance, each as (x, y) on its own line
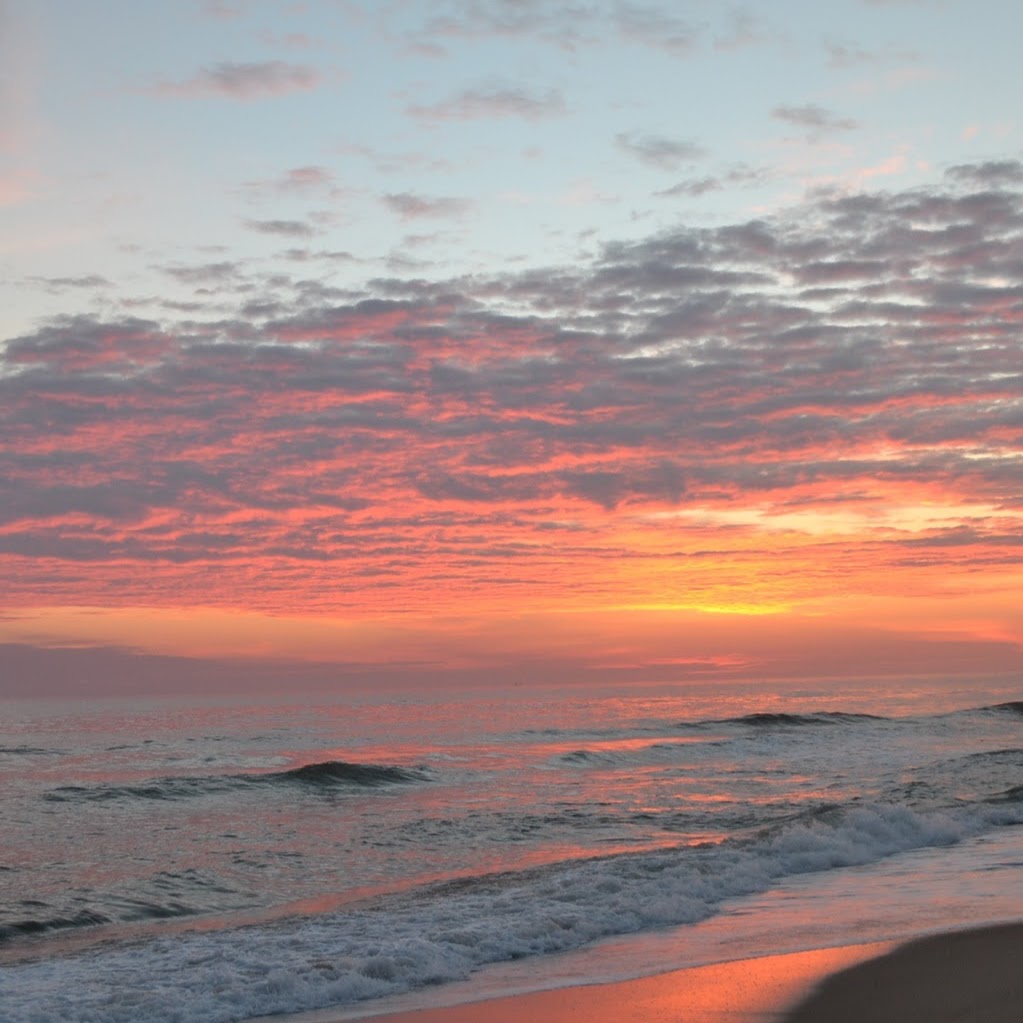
(333, 774)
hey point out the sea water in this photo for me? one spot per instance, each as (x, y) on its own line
(220, 860)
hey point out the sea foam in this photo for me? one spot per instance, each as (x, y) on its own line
(445, 932)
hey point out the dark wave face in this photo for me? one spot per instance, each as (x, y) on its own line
(29, 751)
(824, 717)
(340, 772)
(331, 774)
(165, 895)
(1013, 707)
(29, 925)
(770, 719)
(777, 719)
(1013, 795)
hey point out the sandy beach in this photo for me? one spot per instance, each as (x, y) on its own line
(963, 977)
(973, 976)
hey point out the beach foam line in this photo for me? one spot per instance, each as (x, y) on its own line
(974, 975)
(744, 991)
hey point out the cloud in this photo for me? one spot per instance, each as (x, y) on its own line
(288, 40)
(781, 405)
(492, 103)
(843, 55)
(298, 180)
(243, 81)
(744, 30)
(221, 11)
(563, 25)
(659, 151)
(410, 206)
(740, 177)
(655, 27)
(82, 343)
(84, 281)
(205, 274)
(284, 228)
(992, 174)
(569, 26)
(813, 119)
(305, 255)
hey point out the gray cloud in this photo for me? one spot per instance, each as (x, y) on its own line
(847, 55)
(561, 24)
(659, 151)
(206, 274)
(492, 102)
(284, 228)
(243, 81)
(654, 26)
(992, 174)
(743, 30)
(569, 26)
(740, 177)
(410, 206)
(815, 120)
(84, 281)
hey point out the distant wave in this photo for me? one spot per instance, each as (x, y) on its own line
(585, 756)
(330, 774)
(823, 717)
(34, 751)
(1012, 707)
(340, 772)
(775, 719)
(691, 747)
(652, 753)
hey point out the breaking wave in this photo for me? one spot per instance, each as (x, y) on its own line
(445, 932)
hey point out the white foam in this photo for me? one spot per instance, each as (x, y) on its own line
(444, 934)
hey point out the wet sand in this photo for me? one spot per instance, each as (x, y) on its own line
(746, 991)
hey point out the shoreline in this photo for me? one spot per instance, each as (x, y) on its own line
(944, 977)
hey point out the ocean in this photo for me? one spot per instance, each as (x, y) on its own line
(205, 861)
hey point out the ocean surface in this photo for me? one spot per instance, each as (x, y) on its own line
(209, 861)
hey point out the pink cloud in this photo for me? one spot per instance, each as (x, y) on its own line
(410, 206)
(827, 399)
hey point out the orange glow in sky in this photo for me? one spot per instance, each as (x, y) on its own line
(782, 444)
(518, 491)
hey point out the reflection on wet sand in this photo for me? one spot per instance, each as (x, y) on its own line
(747, 991)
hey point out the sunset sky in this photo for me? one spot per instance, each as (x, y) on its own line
(509, 339)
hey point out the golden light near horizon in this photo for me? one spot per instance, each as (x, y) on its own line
(501, 494)
(352, 399)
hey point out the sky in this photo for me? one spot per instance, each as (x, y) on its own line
(509, 340)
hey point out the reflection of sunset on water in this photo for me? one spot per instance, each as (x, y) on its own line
(503, 492)
(751, 990)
